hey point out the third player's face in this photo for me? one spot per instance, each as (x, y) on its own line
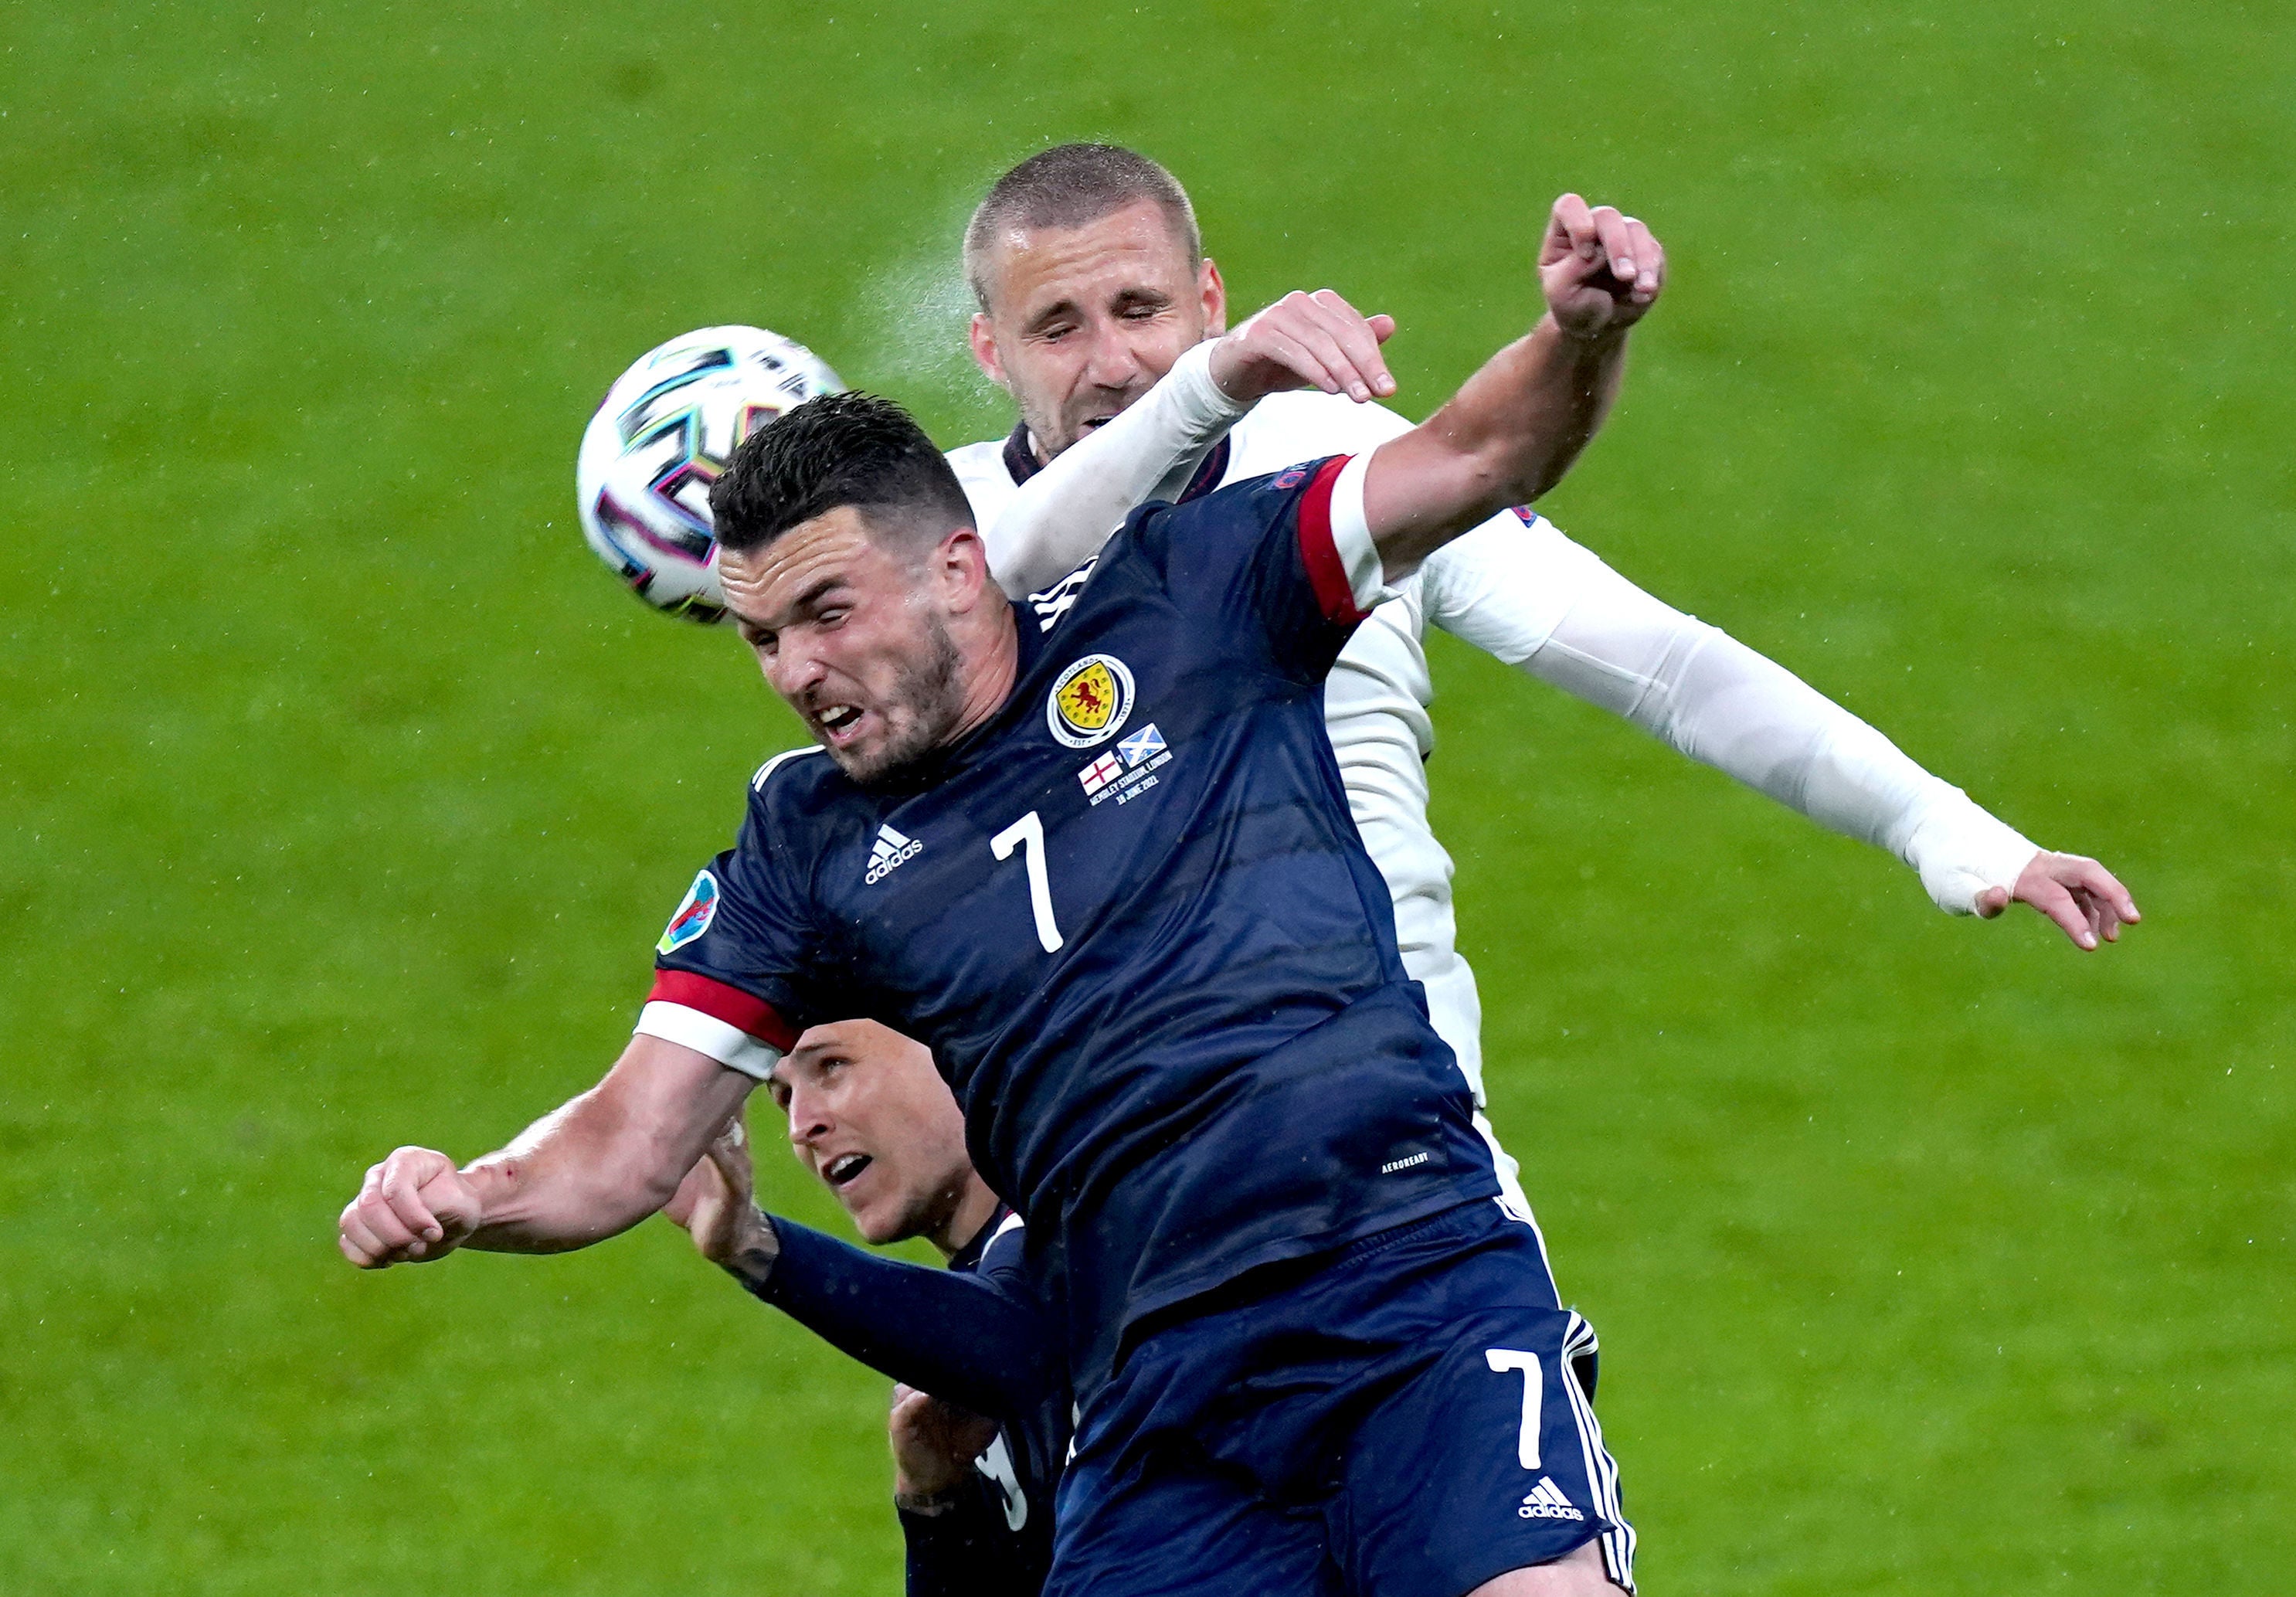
(1082, 321)
(871, 1118)
(848, 631)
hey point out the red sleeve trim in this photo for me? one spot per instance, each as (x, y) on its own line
(720, 1002)
(1327, 575)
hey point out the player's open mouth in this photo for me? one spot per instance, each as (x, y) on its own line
(841, 1171)
(838, 722)
(1092, 422)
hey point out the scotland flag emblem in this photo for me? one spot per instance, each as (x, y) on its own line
(1141, 746)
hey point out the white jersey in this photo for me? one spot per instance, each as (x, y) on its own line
(1519, 589)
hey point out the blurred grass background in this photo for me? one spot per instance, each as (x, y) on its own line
(341, 794)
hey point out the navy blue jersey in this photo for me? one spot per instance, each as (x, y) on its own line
(1131, 916)
(996, 1539)
(972, 1335)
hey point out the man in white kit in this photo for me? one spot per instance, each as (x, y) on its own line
(1093, 283)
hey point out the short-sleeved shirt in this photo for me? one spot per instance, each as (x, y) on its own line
(1131, 916)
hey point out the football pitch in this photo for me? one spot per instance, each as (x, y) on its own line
(342, 794)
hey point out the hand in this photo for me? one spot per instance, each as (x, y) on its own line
(934, 1445)
(1601, 272)
(2077, 893)
(714, 1203)
(1315, 341)
(412, 1206)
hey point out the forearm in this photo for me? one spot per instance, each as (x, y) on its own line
(942, 1331)
(959, 1546)
(551, 1191)
(606, 1160)
(1063, 515)
(1507, 435)
(1712, 697)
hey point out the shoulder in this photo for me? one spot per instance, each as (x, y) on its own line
(1283, 429)
(1514, 547)
(1244, 502)
(985, 477)
(795, 787)
(1507, 584)
(983, 459)
(1004, 1260)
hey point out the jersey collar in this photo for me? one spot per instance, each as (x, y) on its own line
(1020, 462)
(968, 1257)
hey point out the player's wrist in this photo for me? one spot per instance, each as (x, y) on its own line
(925, 1504)
(1590, 343)
(1212, 381)
(755, 1251)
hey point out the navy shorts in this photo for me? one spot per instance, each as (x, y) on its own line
(1409, 1418)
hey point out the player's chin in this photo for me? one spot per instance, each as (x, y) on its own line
(882, 756)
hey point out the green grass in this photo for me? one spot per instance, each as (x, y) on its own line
(341, 795)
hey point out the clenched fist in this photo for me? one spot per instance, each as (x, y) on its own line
(1601, 272)
(414, 1207)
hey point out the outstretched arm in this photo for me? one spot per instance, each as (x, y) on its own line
(586, 1172)
(1065, 513)
(1509, 435)
(1535, 600)
(959, 1335)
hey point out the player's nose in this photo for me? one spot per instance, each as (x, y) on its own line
(1111, 362)
(807, 1124)
(793, 670)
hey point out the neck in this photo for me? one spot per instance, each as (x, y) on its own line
(973, 1210)
(991, 660)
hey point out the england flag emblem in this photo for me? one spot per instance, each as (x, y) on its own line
(1100, 773)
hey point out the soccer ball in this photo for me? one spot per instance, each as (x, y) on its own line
(667, 428)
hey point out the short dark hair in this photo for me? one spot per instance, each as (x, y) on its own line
(850, 448)
(1068, 186)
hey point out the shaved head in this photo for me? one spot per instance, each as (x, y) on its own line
(1069, 187)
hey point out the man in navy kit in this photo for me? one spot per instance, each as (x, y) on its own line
(870, 1118)
(1108, 874)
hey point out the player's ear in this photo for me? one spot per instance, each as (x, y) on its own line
(961, 564)
(1215, 297)
(983, 335)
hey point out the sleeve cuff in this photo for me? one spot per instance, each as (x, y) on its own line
(1202, 402)
(730, 1046)
(1961, 850)
(738, 1029)
(1343, 563)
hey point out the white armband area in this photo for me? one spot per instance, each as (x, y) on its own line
(1351, 536)
(1063, 515)
(729, 1045)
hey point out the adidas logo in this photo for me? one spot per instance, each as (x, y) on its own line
(1546, 1501)
(890, 850)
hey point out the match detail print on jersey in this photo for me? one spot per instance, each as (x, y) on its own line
(1090, 701)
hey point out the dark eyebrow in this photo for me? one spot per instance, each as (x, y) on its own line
(1049, 314)
(812, 595)
(1150, 298)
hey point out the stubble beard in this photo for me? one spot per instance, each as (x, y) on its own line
(921, 712)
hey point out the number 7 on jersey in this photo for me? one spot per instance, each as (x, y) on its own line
(1028, 835)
